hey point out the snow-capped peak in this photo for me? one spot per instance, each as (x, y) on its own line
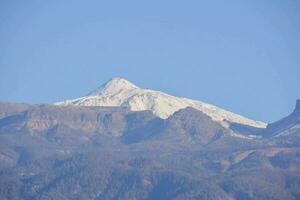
(114, 86)
(120, 92)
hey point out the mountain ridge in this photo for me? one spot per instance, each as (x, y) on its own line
(81, 152)
(120, 92)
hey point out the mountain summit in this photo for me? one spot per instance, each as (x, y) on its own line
(120, 92)
(114, 86)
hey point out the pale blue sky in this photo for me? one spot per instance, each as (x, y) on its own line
(243, 56)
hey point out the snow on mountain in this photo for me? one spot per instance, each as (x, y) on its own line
(120, 92)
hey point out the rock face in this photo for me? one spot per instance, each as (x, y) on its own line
(45, 118)
(120, 92)
(286, 126)
(7, 109)
(297, 108)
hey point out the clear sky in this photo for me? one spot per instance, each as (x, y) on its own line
(243, 56)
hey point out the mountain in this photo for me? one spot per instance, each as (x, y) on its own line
(95, 153)
(193, 125)
(186, 126)
(120, 92)
(49, 119)
(131, 126)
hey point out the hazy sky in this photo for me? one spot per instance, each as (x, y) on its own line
(243, 56)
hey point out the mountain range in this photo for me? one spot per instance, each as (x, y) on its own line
(124, 142)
